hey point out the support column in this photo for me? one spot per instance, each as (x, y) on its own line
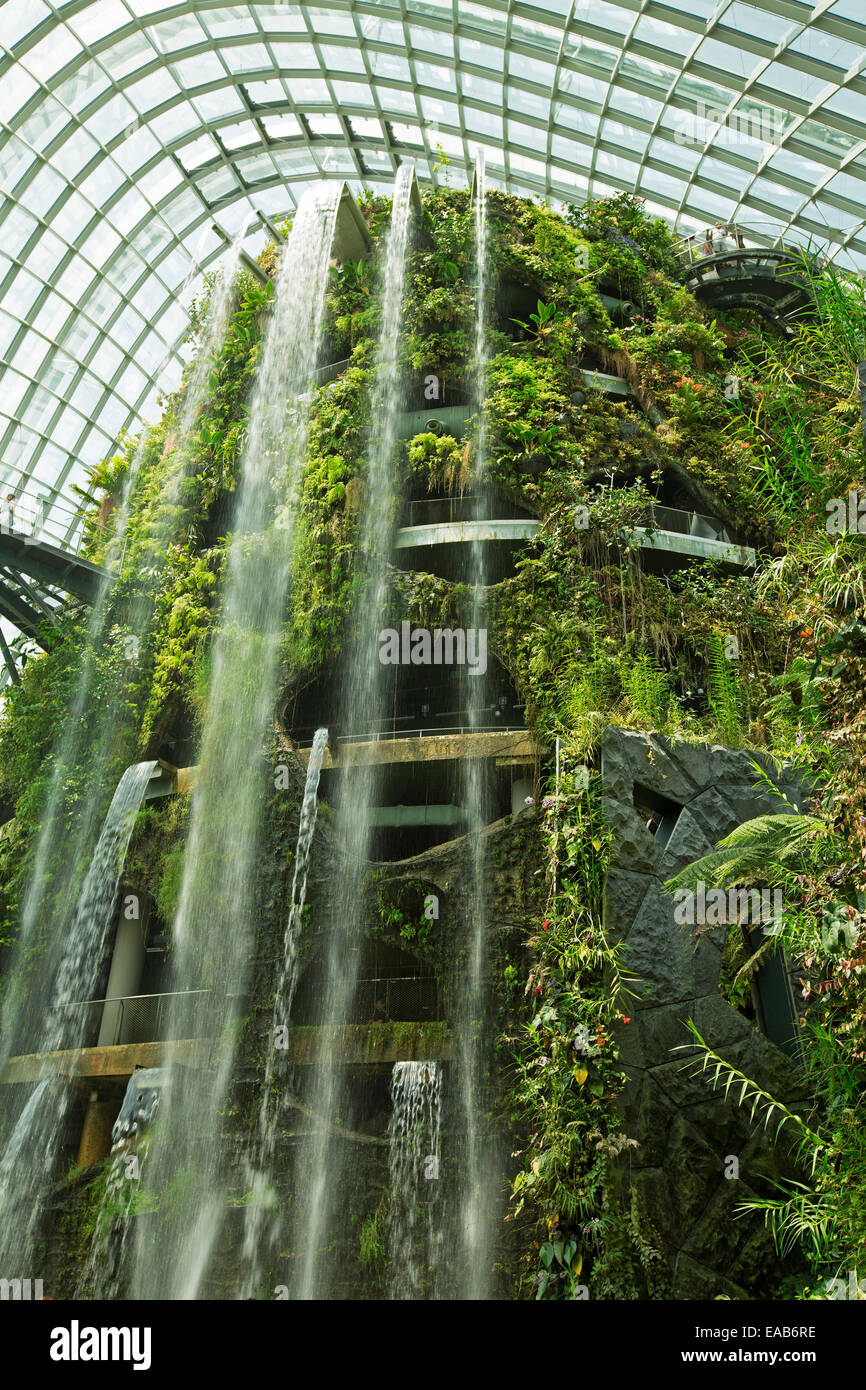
(96, 1131)
(521, 788)
(127, 967)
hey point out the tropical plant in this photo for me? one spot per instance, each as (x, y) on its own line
(754, 853)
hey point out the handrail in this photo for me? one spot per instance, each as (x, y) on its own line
(388, 735)
(121, 998)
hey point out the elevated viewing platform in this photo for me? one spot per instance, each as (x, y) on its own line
(608, 382)
(50, 565)
(764, 280)
(464, 532)
(672, 532)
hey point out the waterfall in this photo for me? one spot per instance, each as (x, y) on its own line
(477, 1174)
(103, 1272)
(90, 730)
(323, 1152)
(37, 1138)
(413, 1165)
(213, 933)
(260, 1165)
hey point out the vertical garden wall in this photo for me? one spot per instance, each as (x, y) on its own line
(614, 402)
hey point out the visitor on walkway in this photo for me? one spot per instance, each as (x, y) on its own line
(723, 243)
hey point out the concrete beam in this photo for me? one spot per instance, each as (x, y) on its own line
(354, 1044)
(106, 1062)
(517, 745)
(400, 817)
(366, 1044)
(510, 748)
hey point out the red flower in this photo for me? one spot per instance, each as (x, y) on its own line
(624, 1019)
(545, 924)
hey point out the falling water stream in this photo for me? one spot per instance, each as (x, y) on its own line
(213, 933)
(476, 1176)
(261, 1213)
(30, 1160)
(323, 1153)
(90, 729)
(414, 1232)
(103, 1273)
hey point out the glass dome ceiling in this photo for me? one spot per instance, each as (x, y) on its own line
(139, 136)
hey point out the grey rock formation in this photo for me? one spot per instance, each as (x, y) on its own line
(686, 1130)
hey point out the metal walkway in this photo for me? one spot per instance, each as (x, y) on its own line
(766, 281)
(34, 578)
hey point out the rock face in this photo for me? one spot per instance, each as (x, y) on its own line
(687, 1132)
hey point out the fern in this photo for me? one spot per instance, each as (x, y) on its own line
(749, 1093)
(723, 690)
(648, 690)
(754, 852)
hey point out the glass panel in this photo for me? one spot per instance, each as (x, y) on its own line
(389, 65)
(45, 123)
(279, 18)
(256, 169)
(104, 180)
(308, 90)
(195, 72)
(127, 56)
(173, 34)
(249, 57)
(83, 86)
(19, 17)
(44, 189)
(353, 94)
(533, 167)
(431, 41)
(528, 103)
(16, 159)
(77, 150)
(16, 229)
(329, 22)
(234, 19)
(52, 53)
(217, 185)
(784, 77)
(342, 58)
(432, 75)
